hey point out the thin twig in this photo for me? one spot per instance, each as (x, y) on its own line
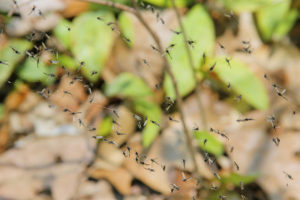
(112, 4)
(136, 12)
(192, 65)
(178, 97)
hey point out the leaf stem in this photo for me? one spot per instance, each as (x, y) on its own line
(179, 101)
(192, 66)
(174, 82)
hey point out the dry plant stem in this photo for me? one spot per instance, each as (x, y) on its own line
(178, 97)
(136, 12)
(192, 65)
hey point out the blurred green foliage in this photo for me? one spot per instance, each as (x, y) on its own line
(105, 127)
(212, 145)
(90, 40)
(245, 5)
(194, 22)
(62, 32)
(29, 71)
(127, 28)
(243, 81)
(167, 3)
(9, 56)
(1, 111)
(275, 20)
(236, 179)
(129, 86)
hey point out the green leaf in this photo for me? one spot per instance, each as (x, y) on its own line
(128, 85)
(92, 41)
(245, 5)
(127, 28)
(9, 56)
(153, 112)
(275, 18)
(235, 178)
(213, 145)
(1, 111)
(29, 71)
(168, 3)
(199, 28)
(62, 33)
(286, 24)
(67, 61)
(105, 127)
(243, 81)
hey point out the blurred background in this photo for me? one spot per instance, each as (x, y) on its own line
(88, 110)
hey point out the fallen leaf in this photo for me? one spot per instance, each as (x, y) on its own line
(99, 190)
(72, 101)
(119, 178)
(157, 180)
(276, 161)
(15, 98)
(74, 8)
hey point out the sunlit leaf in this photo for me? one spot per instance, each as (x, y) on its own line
(213, 145)
(245, 5)
(199, 28)
(153, 112)
(1, 111)
(286, 24)
(237, 178)
(62, 32)
(167, 3)
(105, 127)
(91, 41)
(127, 28)
(243, 81)
(128, 85)
(67, 61)
(29, 71)
(9, 56)
(132, 87)
(275, 20)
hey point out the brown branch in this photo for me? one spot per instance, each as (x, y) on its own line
(174, 82)
(112, 4)
(179, 101)
(192, 65)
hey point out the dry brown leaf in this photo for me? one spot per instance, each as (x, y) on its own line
(4, 136)
(248, 139)
(15, 98)
(187, 188)
(171, 148)
(93, 106)
(95, 190)
(111, 154)
(157, 180)
(21, 188)
(43, 152)
(74, 8)
(119, 178)
(127, 124)
(276, 161)
(65, 185)
(20, 123)
(31, 100)
(70, 101)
